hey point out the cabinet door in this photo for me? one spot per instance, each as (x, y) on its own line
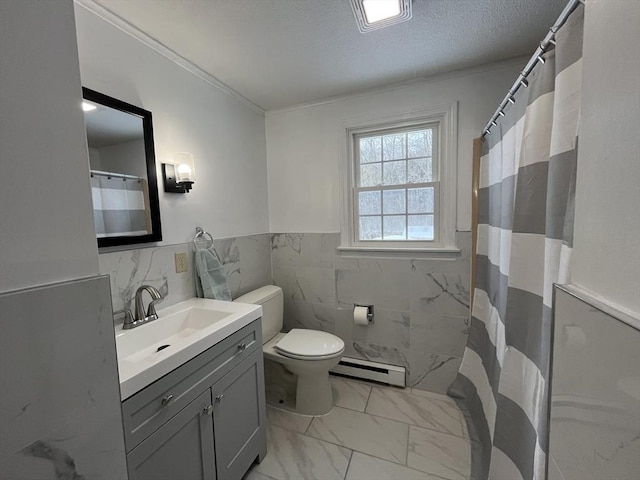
(239, 418)
(181, 449)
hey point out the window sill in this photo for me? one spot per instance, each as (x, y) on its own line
(394, 252)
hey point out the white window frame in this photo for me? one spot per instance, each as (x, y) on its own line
(445, 167)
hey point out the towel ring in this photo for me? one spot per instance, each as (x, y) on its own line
(201, 233)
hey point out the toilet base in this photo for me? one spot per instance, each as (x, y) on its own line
(303, 386)
(314, 395)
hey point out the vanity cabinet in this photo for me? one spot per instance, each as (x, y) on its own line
(182, 448)
(238, 418)
(204, 420)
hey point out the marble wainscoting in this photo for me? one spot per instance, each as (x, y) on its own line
(246, 259)
(595, 391)
(60, 412)
(421, 305)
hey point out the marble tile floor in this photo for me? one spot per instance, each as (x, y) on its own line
(373, 433)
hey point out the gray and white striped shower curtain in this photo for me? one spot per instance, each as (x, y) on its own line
(119, 206)
(525, 237)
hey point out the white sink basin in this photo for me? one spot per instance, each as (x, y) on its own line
(181, 332)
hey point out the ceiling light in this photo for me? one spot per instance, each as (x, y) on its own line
(376, 10)
(87, 107)
(374, 14)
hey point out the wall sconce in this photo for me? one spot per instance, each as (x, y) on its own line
(179, 177)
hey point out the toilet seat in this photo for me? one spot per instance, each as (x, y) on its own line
(306, 344)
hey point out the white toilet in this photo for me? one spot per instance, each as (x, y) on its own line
(309, 354)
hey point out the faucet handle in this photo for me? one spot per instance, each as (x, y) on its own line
(151, 310)
(156, 297)
(128, 317)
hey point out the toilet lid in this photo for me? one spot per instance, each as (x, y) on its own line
(309, 343)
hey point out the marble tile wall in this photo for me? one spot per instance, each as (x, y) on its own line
(421, 305)
(60, 398)
(595, 392)
(246, 259)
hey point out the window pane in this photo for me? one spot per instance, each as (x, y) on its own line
(394, 201)
(393, 147)
(395, 173)
(417, 145)
(420, 227)
(370, 149)
(369, 203)
(394, 227)
(370, 228)
(370, 174)
(420, 170)
(420, 200)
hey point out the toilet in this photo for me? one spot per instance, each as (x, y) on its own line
(307, 354)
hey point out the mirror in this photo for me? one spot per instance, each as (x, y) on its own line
(122, 161)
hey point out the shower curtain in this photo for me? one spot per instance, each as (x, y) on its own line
(525, 235)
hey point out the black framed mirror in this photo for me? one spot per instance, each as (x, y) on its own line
(122, 161)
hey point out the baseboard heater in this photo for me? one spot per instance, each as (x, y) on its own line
(373, 371)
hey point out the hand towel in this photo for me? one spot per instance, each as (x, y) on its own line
(211, 281)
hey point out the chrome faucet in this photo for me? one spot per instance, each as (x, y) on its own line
(140, 316)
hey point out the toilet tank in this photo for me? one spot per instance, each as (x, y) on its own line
(270, 297)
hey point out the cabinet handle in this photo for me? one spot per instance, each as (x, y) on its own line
(242, 346)
(208, 410)
(167, 400)
(219, 398)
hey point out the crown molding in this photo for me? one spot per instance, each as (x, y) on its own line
(165, 51)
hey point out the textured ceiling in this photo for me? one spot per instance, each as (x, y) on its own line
(279, 53)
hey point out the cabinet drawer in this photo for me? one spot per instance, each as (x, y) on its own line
(147, 410)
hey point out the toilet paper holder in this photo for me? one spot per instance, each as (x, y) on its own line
(369, 310)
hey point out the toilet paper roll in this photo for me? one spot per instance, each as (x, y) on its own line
(360, 316)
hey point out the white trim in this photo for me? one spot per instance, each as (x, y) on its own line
(411, 253)
(165, 51)
(616, 311)
(447, 118)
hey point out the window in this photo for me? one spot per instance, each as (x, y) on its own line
(396, 185)
(401, 194)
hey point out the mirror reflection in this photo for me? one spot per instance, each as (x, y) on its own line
(122, 164)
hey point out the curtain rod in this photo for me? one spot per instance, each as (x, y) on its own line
(113, 175)
(536, 57)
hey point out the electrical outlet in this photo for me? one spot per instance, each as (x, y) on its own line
(181, 262)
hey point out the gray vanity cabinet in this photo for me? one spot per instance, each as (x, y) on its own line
(238, 400)
(203, 421)
(181, 449)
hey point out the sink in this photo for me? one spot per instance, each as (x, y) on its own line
(181, 332)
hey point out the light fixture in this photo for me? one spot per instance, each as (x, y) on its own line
(374, 14)
(179, 177)
(376, 10)
(87, 107)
